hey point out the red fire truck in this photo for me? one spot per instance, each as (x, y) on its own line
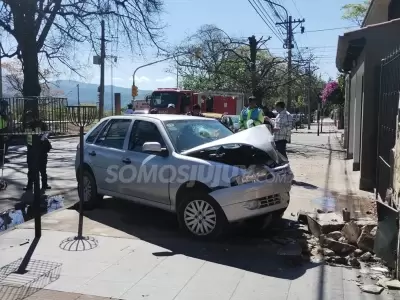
(141, 105)
(183, 100)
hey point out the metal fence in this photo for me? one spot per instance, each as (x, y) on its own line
(387, 124)
(51, 110)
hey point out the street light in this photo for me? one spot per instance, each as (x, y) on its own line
(281, 6)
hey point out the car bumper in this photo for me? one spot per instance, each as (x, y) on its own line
(252, 200)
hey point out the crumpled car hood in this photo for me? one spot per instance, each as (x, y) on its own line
(259, 137)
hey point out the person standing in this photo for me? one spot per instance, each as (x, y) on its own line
(129, 110)
(34, 126)
(196, 111)
(251, 113)
(3, 130)
(283, 128)
(171, 109)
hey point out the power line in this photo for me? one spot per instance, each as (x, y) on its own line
(331, 29)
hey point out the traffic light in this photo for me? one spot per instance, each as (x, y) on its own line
(134, 91)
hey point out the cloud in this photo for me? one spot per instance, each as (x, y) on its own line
(117, 79)
(166, 79)
(140, 79)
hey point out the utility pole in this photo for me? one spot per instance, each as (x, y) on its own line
(309, 95)
(102, 67)
(288, 26)
(253, 58)
(177, 75)
(79, 100)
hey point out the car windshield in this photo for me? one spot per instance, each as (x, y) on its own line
(162, 99)
(187, 134)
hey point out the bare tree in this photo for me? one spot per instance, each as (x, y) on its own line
(225, 64)
(50, 28)
(14, 79)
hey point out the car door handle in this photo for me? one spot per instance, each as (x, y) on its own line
(126, 161)
(92, 153)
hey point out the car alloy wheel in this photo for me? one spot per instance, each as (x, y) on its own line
(87, 189)
(200, 217)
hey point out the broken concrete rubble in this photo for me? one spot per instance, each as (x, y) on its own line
(371, 289)
(366, 241)
(367, 256)
(336, 246)
(336, 235)
(351, 232)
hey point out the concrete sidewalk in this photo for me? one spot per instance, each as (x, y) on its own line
(60, 169)
(320, 167)
(173, 268)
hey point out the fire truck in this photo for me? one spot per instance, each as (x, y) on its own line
(183, 100)
(141, 105)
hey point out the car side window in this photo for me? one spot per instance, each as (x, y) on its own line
(143, 132)
(113, 135)
(93, 135)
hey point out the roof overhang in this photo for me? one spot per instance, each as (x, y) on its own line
(352, 43)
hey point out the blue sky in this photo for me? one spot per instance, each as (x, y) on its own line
(238, 19)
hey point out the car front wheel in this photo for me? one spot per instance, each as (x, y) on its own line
(201, 216)
(90, 196)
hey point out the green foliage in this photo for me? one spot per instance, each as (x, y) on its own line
(355, 13)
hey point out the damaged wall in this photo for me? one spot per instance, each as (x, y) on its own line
(396, 168)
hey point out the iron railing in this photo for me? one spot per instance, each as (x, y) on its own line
(51, 110)
(387, 124)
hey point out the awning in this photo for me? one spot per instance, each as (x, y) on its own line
(352, 43)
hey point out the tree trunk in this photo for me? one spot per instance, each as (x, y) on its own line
(25, 28)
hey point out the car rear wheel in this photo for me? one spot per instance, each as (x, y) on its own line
(201, 216)
(90, 196)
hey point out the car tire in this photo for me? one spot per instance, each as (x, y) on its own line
(201, 216)
(91, 198)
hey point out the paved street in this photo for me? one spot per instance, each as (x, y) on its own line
(60, 170)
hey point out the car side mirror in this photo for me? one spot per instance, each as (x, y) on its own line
(147, 98)
(154, 147)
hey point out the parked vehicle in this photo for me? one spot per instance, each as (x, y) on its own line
(141, 112)
(249, 180)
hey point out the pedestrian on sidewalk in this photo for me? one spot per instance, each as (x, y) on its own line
(130, 110)
(283, 128)
(33, 125)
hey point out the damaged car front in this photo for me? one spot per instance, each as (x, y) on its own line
(253, 184)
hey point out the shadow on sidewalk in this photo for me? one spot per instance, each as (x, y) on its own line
(257, 253)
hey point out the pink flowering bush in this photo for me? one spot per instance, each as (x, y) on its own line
(331, 90)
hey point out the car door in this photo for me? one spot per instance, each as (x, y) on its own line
(90, 159)
(153, 171)
(109, 150)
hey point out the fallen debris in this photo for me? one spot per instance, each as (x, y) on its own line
(371, 289)
(351, 232)
(367, 256)
(393, 284)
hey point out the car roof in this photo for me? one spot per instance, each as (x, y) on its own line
(161, 117)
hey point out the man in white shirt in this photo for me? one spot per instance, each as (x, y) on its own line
(283, 128)
(130, 110)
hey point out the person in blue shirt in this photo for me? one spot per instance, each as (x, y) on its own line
(253, 112)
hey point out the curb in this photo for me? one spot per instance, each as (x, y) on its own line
(59, 137)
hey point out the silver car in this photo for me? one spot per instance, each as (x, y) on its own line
(192, 166)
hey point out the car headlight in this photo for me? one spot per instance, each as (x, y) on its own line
(256, 176)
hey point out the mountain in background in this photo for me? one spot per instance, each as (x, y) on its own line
(88, 93)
